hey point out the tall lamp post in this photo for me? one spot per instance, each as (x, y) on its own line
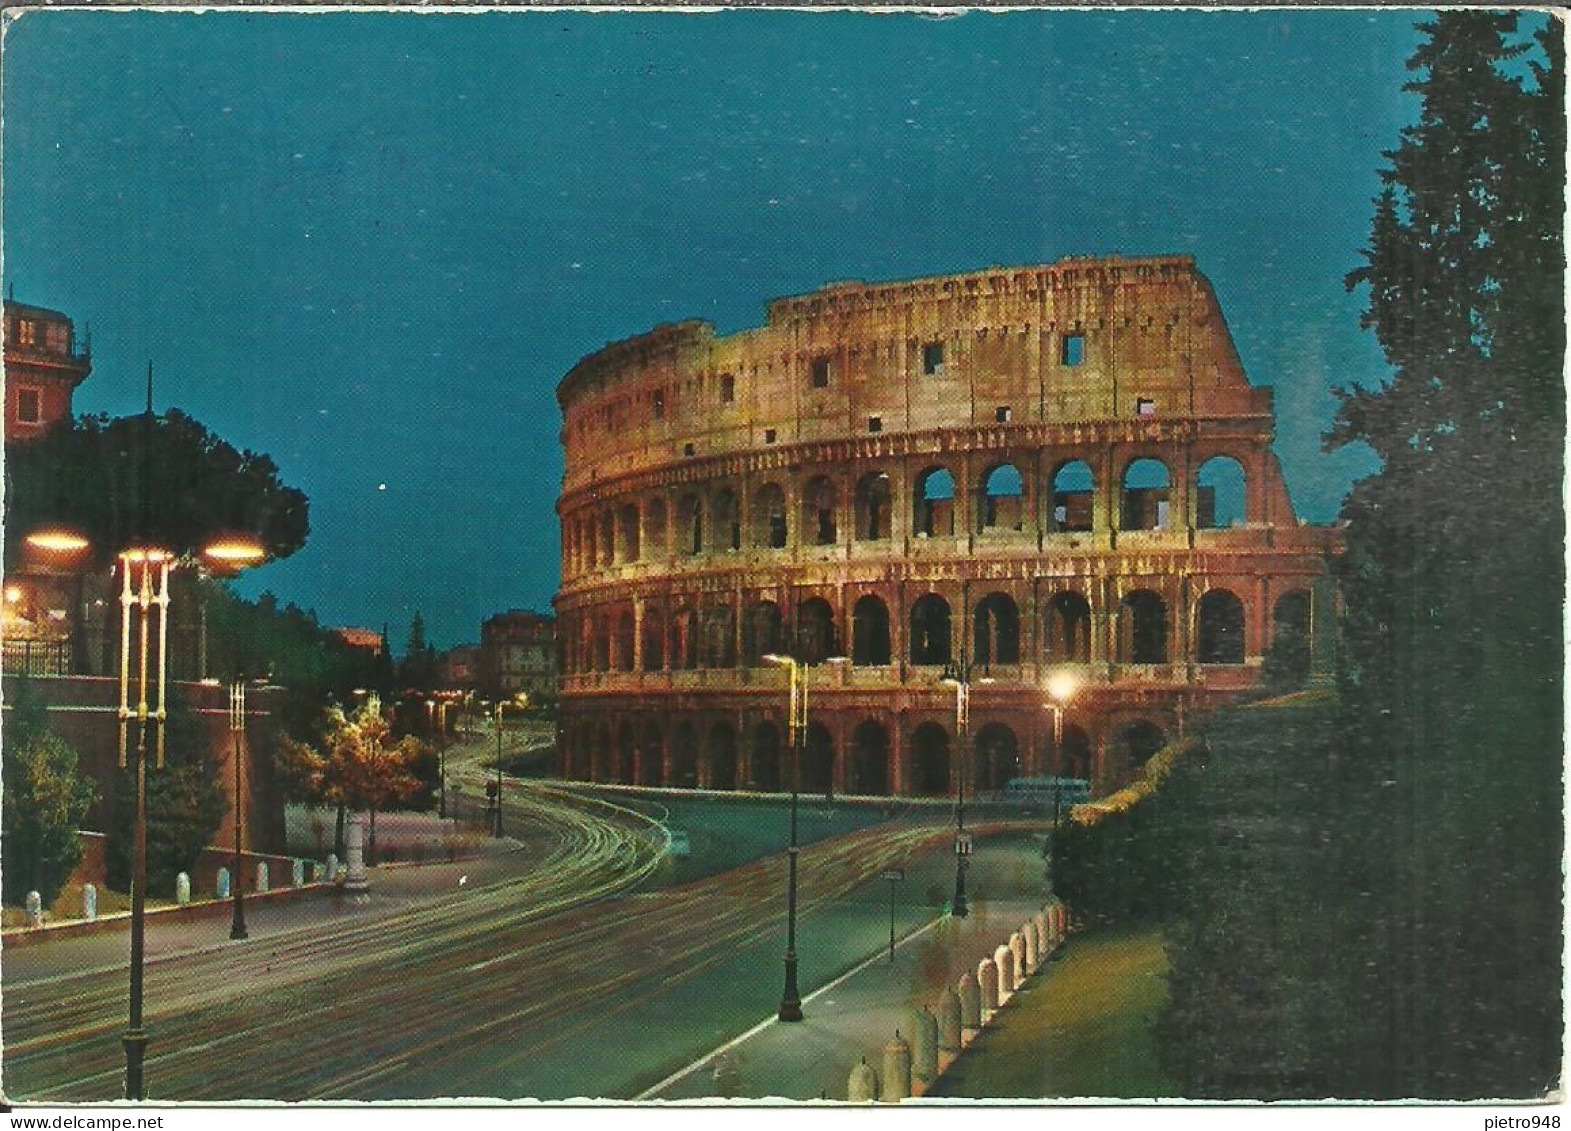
(1061, 688)
(958, 676)
(144, 587)
(237, 731)
(521, 704)
(796, 728)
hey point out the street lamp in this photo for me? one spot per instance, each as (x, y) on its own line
(522, 703)
(791, 998)
(237, 731)
(1061, 688)
(958, 676)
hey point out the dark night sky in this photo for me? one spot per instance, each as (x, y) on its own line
(370, 244)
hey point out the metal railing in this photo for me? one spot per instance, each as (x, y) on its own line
(36, 657)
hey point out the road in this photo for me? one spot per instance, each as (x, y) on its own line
(539, 985)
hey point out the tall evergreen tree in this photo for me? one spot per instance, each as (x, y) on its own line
(45, 799)
(1453, 583)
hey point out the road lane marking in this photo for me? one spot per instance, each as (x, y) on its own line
(708, 1057)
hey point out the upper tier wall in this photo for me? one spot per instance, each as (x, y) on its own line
(1082, 340)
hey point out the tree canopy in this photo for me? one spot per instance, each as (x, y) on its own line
(45, 799)
(89, 473)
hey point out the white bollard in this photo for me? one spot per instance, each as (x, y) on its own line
(183, 889)
(297, 873)
(970, 1001)
(1017, 958)
(1004, 959)
(262, 878)
(332, 867)
(949, 1021)
(1029, 952)
(35, 909)
(222, 885)
(987, 981)
(89, 902)
(862, 1087)
(354, 846)
(897, 1070)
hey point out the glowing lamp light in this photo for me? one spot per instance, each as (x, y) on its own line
(1062, 686)
(235, 552)
(13, 594)
(57, 540)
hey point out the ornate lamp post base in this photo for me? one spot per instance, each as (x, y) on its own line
(135, 1044)
(791, 1000)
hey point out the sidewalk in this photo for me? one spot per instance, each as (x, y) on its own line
(855, 1015)
(392, 889)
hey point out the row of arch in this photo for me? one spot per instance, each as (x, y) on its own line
(712, 756)
(715, 519)
(608, 640)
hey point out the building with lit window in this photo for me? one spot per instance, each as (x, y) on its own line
(44, 363)
(1015, 471)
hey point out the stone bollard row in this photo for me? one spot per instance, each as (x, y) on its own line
(966, 1005)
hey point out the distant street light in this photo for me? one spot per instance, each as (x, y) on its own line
(791, 998)
(958, 676)
(521, 704)
(237, 732)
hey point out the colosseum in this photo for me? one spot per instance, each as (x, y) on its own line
(991, 477)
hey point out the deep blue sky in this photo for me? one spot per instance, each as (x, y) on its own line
(371, 244)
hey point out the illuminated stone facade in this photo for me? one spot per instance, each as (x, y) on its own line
(1020, 470)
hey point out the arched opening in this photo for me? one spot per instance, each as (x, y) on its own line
(930, 760)
(608, 547)
(1068, 636)
(1074, 757)
(725, 520)
(602, 642)
(873, 507)
(1073, 509)
(684, 757)
(997, 630)
(997, 755)
(1003, 499)
(626, 751)
(1220, 495)
(722, 757)
(870, 759)
(690, 525)
(1221, 628)
(653, 754)
(1137, 742)
(654, 638)
(1142, 629)
(766, 757)
(769, 517)
(763, 633)
(818, 760)
(1145, 496)
(934, 510)
(628, 537)
(930, 630)
(684, 646)
(819, 503)
(719, 637)
(1287, 664)
(869, 632)
(624, 640)
(591, 543)
(816, 640)
(654, 528)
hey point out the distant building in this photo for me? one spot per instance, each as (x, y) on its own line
(459, 668)
(366, 638)
(43, 366)
(518, 654)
